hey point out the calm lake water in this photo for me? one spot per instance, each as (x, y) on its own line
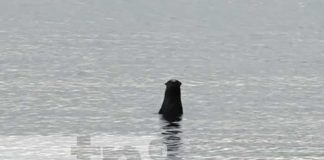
(252, 75)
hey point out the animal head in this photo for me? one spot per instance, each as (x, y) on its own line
(173, 83)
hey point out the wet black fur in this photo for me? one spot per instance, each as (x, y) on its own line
(172, 107)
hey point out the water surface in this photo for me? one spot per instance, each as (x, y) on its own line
(252, 74)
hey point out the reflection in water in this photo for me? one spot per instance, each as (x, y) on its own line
(171, 132)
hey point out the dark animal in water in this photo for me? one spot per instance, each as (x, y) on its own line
(171, 109)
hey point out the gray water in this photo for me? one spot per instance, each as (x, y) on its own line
(252, 74)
